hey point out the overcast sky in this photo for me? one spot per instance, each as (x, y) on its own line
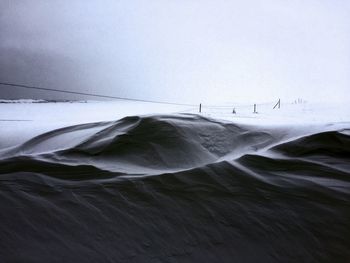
(178, 50)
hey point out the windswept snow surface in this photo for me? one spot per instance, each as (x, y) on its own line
(24, 119)
(134, 182)
(21, 121)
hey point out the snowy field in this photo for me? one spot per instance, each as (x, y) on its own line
(81, 182)
(22, 119)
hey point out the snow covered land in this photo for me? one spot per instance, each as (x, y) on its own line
(23, 119)
(138, 182)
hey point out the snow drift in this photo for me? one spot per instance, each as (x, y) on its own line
(177, 188)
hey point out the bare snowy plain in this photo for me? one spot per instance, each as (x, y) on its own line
(24, 119)
(118, 181)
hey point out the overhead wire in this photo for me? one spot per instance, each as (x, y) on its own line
(93, 95)
(235, 105)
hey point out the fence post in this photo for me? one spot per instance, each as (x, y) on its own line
(200, 107)
(277, 104)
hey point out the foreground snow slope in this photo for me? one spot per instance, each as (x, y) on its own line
(80, 182)
(177, 188)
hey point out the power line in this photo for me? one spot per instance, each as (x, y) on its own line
(92, 95)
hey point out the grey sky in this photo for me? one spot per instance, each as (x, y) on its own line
(184, 50)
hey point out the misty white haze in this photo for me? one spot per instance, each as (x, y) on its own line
(183, 51)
